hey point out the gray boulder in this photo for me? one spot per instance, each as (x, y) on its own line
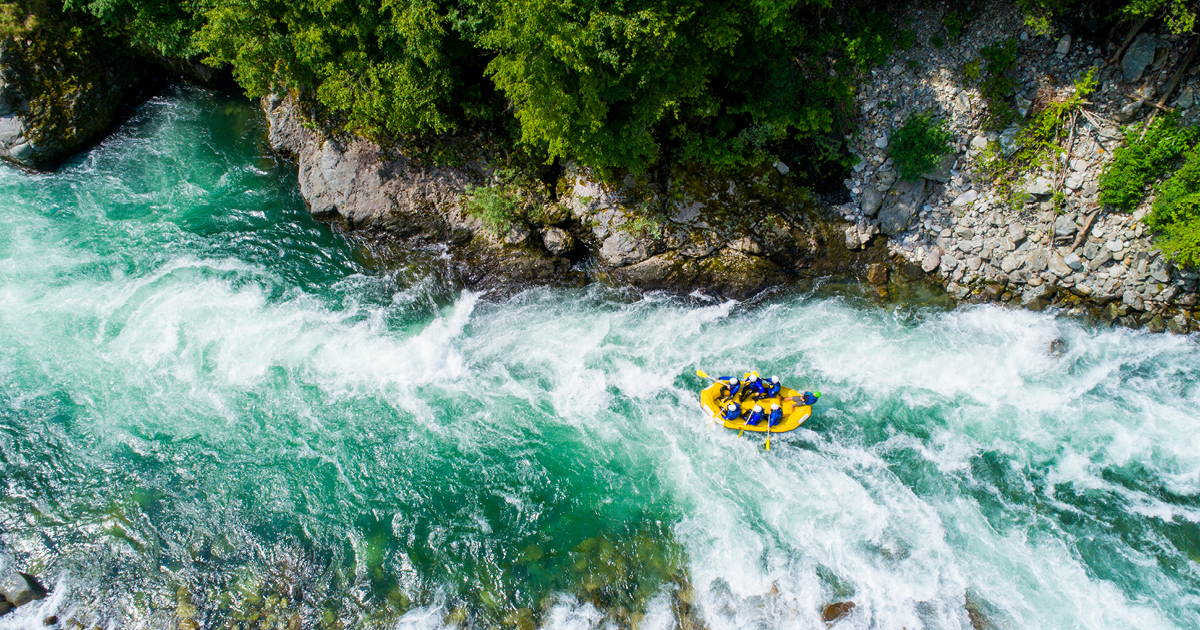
(932, 259)
(872, 199)
(1138, 57)
(621, 249)
(21, 588)
(1064, 226)
(557, 240)
(1039, 259)
(901, 205)
(1039, 188)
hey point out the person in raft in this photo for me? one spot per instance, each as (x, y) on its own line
(807, 398)
(753, 386)
(731, 387)
(776, 415)
(756, 416)
(772, 387)
(732, 412)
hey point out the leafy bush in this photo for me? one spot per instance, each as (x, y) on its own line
(1143, 159)
(499, 207)
(919, 145)
(953, 23)
(998, 84)
(1176, 214)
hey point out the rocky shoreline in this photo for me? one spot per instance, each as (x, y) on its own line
(955, 224)
(735, 236)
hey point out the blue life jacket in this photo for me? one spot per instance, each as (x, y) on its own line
(773, 389)
(776, 416)
(757, 387)
(732, 383)
(731, 414)
(755, 418)
(809, 399)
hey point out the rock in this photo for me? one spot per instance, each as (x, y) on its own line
(957, 291)
(872, 199)
(1090, 190)
(21, 588)
(1186, 98)
(1139, 55)
(974, 263)
(1103, 255)
(1129, 111)
(877, 274)
(853, 241)
(965, 198)
(517, 235)
(1114, 246)
(1039, 188)
(781, 167)
(1156, 324)
(1016, 233)
(1037, 297)
(932, 259)
(1039, 259)
(557, 241)
(747, 245)
(1064, 45)
(900, 206)
(1133, 300)
(886, 178)
(1072, 260)
(881, 142)
(1059, 267)
(833, 612)
(1074, 181)
(949, 262)
(1178, 324)
(979, 143)
(621, 249)
(1012, 262)
(941, 172)
(1064, 226)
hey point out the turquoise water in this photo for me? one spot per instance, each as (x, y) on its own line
(214, 414)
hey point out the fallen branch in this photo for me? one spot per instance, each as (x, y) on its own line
(1150, 103)
(1087, 227)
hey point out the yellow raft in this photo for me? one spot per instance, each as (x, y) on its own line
(794, 414)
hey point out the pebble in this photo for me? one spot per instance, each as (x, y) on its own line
(881, 142)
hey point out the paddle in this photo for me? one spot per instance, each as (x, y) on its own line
(703, 374)
(768, 434)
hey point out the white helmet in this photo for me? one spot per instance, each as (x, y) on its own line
(732, 406)
(753, 377)
(758, 407)
(774, 379)
(774, 405)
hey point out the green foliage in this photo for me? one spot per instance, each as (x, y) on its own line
(905, 39)
(953, 23)
(937, 42)
(1176, 214)
(501, 205)
(919, 145)
(1144, 159)
(971, 70)
(1180, 15)
(998, 84)
(868, 39)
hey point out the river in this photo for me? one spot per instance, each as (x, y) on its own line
(216, 413)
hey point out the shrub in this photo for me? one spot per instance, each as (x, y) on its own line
(998, 84)
(1176, 214)
(919, 145)
(953, 23)
(1143, 159)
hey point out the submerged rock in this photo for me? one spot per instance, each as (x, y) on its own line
(835, 611)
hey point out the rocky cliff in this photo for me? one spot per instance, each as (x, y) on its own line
(731, 237)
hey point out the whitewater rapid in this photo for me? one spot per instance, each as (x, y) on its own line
(208, 403)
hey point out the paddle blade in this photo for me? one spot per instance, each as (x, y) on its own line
(701, 374)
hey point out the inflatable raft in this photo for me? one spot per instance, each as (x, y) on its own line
(794, 414)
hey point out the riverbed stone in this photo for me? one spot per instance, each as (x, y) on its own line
(901, 205)
(1059, 267)
(1064, 226)
(877, 274)
(1139, 55)
(965, 198)
(1039, 259)
(1037, 297)
(21, 588)
(557, 240)
(621, 249)
(932, 259)
(1133, 300)
(872, 199)
(1071, 259)
(1016, 232)
(1040, 187)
